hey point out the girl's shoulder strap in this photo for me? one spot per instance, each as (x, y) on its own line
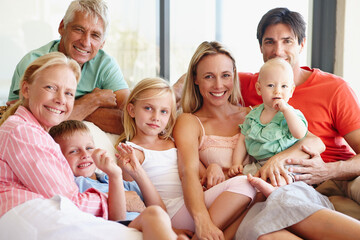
(135, 146)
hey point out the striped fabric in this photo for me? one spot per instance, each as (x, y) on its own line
(32, 166)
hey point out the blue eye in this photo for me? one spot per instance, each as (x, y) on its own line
(51, 88)
(147, 108)
(164, 111)
(73, 151)
(69, 94)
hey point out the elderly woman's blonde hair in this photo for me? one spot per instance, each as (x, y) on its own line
(159, 87)
(38, 65)
(192, 100)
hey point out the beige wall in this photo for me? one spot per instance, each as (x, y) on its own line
(347, 61)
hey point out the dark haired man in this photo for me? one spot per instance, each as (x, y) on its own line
(328, 103)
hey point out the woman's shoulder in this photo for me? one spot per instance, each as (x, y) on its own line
(187, 124)
(186, 119)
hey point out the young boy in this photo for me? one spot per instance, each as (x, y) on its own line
(77, 145)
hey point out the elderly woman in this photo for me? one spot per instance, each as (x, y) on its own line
(206, 134)
(38, 195)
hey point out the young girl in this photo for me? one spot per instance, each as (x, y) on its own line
(274, 125)
(149, 117)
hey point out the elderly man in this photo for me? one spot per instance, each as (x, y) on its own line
(102, 89)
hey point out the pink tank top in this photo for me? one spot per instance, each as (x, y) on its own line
(216, 149)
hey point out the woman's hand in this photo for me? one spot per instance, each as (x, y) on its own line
(213, 176)
(208, 230)
(274, 170)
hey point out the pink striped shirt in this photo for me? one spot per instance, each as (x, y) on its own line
(32, 166)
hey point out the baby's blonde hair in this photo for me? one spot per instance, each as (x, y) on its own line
(161, 87)
(276, 62)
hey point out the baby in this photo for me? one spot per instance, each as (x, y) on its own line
(272, 126)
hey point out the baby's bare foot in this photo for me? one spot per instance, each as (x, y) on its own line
(264, 187)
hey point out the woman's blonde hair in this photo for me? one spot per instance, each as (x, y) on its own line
(192, 100)
(38, 65)
(160, 87)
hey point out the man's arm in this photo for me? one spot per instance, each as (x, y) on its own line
(103, 107)
(178, 88)
(315, 170)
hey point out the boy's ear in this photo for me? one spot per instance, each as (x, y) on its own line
(258, 87)
(130, 108)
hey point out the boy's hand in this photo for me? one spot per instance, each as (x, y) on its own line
(235, 170)
(105, 163)
(128, 160)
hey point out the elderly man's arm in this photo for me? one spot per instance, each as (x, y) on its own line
(103, 107)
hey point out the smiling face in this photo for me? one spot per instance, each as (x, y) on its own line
(77, 149)
(50, 97)
(275, 82)
(151, 114)
(215, 78)
(280, 41)
(82, 38)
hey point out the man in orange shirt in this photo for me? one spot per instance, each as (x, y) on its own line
(328, 103)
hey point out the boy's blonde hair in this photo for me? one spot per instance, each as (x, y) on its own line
(68, 128)
(38, 65)
(192, 100)
(161, 87)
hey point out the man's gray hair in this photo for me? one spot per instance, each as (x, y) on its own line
(96, 8)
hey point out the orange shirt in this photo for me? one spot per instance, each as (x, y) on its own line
(329, 105)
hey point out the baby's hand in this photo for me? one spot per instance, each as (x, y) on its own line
(280, 105)
(105, 163)
(235, 170)
(128, 160)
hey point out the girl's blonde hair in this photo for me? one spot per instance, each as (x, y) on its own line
(160, 87)
(38, 65)
(192, 100)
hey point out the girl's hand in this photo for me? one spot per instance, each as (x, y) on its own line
(105, 163)
(213, 176)
(235, 170)
(128, 160)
